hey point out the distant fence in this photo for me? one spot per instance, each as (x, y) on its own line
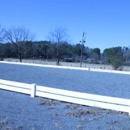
(68, 67)
(118, 104)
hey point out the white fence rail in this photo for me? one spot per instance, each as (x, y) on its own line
(113, 103)
(68, 67)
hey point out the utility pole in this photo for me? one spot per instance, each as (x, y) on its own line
(82, 43)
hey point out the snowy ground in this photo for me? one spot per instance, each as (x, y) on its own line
(21, 112)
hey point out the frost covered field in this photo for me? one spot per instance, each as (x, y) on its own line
(21, 112)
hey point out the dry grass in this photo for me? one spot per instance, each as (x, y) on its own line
(115, 125)
(82, 112)
(78, 113)
(72, 106)
(5, 124)
(48, 102)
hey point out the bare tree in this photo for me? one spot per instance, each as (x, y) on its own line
(58, 36)
(1, 33)
(18, 36)
(1, 40)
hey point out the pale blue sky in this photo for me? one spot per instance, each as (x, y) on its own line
(106, 22)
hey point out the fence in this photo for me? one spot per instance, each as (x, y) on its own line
(118, 104)
(68, 67)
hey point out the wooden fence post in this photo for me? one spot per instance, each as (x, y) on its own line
(33, 90)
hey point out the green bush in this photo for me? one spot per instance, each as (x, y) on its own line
(116, 62)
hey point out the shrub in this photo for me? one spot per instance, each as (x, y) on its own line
(116, 62)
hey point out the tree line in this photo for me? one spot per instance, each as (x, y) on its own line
(48, 50)
(20, 44)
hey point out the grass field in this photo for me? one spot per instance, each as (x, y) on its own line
(21, 112)
(73, 64)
